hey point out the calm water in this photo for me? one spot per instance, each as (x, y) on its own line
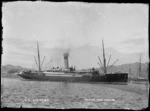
(18, 92)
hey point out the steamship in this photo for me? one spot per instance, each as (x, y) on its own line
(71, 75)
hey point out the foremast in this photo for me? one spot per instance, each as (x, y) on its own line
(38, 62)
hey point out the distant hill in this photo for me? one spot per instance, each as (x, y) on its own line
(10, 69)
(131, 68)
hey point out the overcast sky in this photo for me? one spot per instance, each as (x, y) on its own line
(78, 27)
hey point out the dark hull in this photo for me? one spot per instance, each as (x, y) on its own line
(109, 78)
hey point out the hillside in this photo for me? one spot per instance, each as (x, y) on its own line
(10, 70)
(131, 68)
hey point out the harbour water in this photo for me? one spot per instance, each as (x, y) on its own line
(18, 93)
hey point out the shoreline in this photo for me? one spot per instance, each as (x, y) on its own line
(11, 77)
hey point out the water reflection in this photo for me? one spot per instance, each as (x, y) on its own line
(68, 95)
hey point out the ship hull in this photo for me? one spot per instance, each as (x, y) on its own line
(109, 78)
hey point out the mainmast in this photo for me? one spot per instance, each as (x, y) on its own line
(105, 70)
(38, 57)
(104, 67)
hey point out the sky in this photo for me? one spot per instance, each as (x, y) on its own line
(75, 27)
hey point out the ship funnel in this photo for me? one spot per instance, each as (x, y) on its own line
(66, 63)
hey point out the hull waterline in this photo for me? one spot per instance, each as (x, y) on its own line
(102, 79)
